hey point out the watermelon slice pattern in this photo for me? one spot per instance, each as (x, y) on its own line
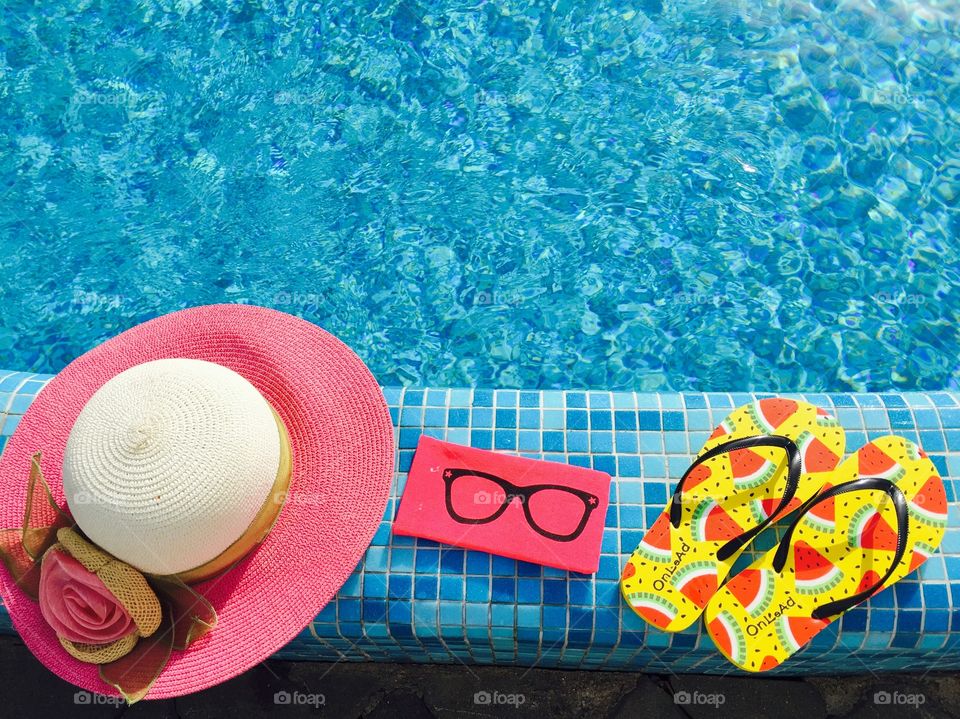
(655, 545)
(921, 553)
(794, 632)
(657, 610)
(869, 530)
(711, 523)
(815, 574)
(815, 456)
(768, 663)
(760, 509)
(913, 451)
(873, 462)
(825, 419)
(763, 508)
(823, 516)
(929, 504)
(750, 469)
(869, 579)
(697, 581)
(699, 474)
(717, 518)
(768, 414)
(841, 563)
(754, 589)
(728, 637)
(727, 426)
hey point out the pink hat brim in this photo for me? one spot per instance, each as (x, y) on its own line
(343, 452)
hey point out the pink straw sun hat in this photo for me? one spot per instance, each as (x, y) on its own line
(239, 449)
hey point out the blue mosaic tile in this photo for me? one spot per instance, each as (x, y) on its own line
(482, 398)
(530, 418)
(506, 418)
(842, 400)
(506, 398)
(415, 600)
(673, 421)
(529, 399)
(650, 421)
(627, 443)
(575, 399)
(413, 397)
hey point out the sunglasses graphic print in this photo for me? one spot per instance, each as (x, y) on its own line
(557, 512)
(531, 510)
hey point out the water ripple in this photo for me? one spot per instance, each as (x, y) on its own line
(689, 195)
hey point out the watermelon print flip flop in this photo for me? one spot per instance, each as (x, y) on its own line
(759, 464)
(881, 519)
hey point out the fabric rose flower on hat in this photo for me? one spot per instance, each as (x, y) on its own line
(98, 606)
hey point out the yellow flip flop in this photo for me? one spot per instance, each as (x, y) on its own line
(763, 461)
(881, 519)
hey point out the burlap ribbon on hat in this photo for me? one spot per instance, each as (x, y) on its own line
(166, 612)
(128, 586)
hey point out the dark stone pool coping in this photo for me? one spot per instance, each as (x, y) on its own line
(377, 690)
(420, 602)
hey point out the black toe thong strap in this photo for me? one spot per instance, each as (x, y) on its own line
(862, 484)
(794, 467)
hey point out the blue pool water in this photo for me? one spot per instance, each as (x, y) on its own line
(648, 195)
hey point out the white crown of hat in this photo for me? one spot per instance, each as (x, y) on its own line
(169, 463)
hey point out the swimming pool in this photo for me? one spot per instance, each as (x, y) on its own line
(688, 195)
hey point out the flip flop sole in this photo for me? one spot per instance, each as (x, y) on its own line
(674, 571)
(761, 617)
